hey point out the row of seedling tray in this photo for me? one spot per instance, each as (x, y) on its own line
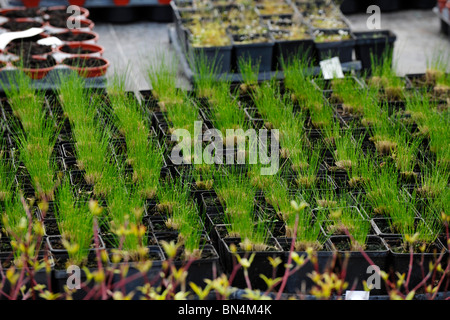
(267, 31)
(74, 48)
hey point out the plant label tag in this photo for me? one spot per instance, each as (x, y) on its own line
(50, 41)
(7, 37)
(357, 295)
(331, 68)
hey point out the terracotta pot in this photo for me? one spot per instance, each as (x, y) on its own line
(31, 3)
(37, 74)
(77, 2)
(98, 50)
(91, 72)
(42, 24)
(5, 11)
(92, 41)
(85, 25)
(121, 2)
(83, 11)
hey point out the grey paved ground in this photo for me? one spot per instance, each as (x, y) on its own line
(133, 46)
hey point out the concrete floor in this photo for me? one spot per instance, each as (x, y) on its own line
(133, 46)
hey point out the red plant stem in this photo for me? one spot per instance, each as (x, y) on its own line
(291, 250)
(410, 266)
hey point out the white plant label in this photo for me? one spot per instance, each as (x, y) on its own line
(331, 68)
(7, 37)
(50, 41)
(357, 295)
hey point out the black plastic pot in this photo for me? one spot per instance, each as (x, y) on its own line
(382, 226)
(260, 264)
(61, 275)
(373, 44)
(386, 5)
(355, 264)
(400, 260)
(342, 49)
(134, 277)
(444, 26)
(199, 268)
(422, 4)
(32, 277)
(217, 57)
(300, 280)
(351, 6)
(260, 53)
(285, 49)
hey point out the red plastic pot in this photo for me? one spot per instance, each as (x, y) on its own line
(37, 74)
(93, 40)
(83, 11)
(42, 24)
(77, 2)
(91, 72)
(164, 1)
(31, 3)
(98, 50)
(121, 2)
(85, 24)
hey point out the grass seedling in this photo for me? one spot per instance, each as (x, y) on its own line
(309, 234)
(385, 79)
(306, 164)
(439, 137)
(414, 231)
(183, 116)
(24, 234)
(163, 77)
(362, 171)
(7, 172)
(353, 101)
(171, 194)
(36, 153)
(76, 224)
(125, 211)
(142, 154)
(343, 220)
(279, 197)
(437, 66)
(226, 113)
(36, 136)
(347, 151)
(189, 229)
(382, 190)
(433, 182)
(237, 195)
(297, 77)
(205, 77)
(321, 114)
(383, 136)
(249, 71)
(406, 154)
(203, 175)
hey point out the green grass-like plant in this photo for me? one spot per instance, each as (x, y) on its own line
(75, 223)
